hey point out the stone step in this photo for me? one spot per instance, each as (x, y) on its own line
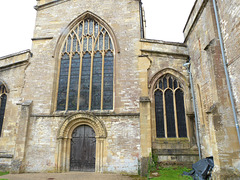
(171, 143)
(180, 157)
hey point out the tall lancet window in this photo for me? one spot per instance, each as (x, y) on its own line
(86, 69)
(3, 101)
(169, 108)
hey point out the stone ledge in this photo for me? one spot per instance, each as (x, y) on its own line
(15, 59)
(42, 38)
(180, 152)
(163, 42)
(164, 53)
(6, 155)
(145, 99)
(64, 114)
(16, 54)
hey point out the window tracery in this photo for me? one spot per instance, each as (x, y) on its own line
(86, 69)
(169, 108)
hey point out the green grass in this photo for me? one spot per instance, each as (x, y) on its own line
(171, 173)
(3, 173)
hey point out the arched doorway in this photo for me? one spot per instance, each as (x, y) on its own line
(69, 130)
(83, 148)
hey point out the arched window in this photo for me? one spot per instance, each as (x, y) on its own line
(86, 69)
(3, 101)
(169, 108)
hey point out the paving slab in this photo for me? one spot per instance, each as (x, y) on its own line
(65, 176)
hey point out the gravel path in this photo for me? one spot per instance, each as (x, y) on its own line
(65, 176)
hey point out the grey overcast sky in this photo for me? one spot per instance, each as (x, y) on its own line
(165, 20)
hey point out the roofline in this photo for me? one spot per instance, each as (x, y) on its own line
(16, 54)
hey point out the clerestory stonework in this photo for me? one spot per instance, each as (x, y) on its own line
(93, 94)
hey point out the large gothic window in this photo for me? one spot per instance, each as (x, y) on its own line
(86, 69)
(3, 101)
(169, 108)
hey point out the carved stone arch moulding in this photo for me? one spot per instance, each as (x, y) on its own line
(182, 79)
(2, 82)
(85, 15)
(79, 119)
(64, 140)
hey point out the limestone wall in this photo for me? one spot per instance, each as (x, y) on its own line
(12, 74)
(229, 22)
(160, 58)
(121, 152)
(217, 128)
(52, 20)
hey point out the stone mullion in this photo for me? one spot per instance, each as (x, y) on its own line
(69, 73)
(102, 85)
(88, 36)
(175, 114)
(79, 80)
(91, 78)
(165, 114)
(80, 71)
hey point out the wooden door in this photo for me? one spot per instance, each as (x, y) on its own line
(83, 148)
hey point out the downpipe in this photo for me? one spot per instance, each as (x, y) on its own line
(187, 66)
(225, 69)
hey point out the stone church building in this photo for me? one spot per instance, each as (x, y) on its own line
(93, 94)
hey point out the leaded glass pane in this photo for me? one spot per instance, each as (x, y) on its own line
(78, 46)
(83, 32)
(111, 46)
(85, 82)
(106, 41)
(85, 27)
(63, 81)
(2, 88)
(76, 30)
(175, 84)
(171, 132)
(69, 44)
(96, 45)
(170, 82)
(96, 81)
(89, 44)
(74, 79)
(182, 131)
(108, 81)
(64, 48)
(80, 30)
(96, 29)
(74, 43)
(101, 42)
(159, 114)
(91, 27)
(160, 84)
(100, 28)
(3, 102)
(164, 82)
(85, 44)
